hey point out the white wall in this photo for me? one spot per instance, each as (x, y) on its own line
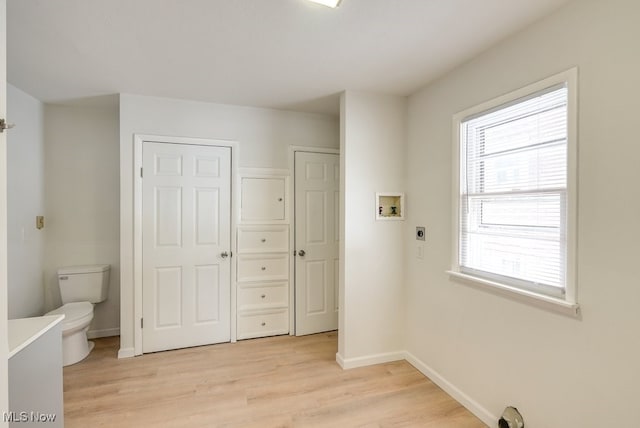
(371, 279)
(263, 136)
(559, 371)
(25, 181)
(82, 200)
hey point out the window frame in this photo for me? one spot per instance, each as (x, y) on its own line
(566, 302)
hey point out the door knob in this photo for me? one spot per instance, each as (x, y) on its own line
(302, 253)
(224, 255)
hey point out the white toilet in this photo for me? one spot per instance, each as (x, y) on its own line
(80, 288)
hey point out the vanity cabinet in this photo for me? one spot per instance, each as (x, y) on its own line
(35, 372)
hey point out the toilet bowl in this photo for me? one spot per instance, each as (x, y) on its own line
(80, 288)
(77, 317)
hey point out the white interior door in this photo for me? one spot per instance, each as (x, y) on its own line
(186, 239)
(317, 184)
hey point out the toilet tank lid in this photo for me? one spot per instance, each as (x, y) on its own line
(71, 270)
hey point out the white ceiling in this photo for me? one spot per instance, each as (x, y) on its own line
(288, 54)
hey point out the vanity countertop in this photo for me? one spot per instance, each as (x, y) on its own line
(24, 331)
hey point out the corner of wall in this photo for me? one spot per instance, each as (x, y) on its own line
(342, 327)
(469, 403)
(372, 141)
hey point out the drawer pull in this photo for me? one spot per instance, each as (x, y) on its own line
(263, 323)
(263, 240)
(263, 296)
(263, 268)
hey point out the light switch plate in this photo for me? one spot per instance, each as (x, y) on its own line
(420, 233)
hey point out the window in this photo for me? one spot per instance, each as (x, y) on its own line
(516, 198)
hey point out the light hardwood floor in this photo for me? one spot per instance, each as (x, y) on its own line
(273, 382)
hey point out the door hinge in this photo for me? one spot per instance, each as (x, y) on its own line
(141, 322)
(4, 125)
(141, 172)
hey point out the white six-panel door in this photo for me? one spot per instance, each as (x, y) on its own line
(186, 238)
(317, 184)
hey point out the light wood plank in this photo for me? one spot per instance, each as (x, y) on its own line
(272, 382)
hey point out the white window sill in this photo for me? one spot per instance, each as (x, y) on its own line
(547, 302)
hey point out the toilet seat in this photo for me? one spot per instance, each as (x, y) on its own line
(75, 314)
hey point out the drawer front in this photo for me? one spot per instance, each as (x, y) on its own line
(263, 296)
(263, 324)
(263, 267)
(263, 239)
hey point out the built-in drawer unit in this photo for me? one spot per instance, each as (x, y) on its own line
(263, 295)
(262, 249)
(259, 324)
(263, 267)
(263, 239)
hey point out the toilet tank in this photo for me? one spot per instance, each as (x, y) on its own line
(84, 283)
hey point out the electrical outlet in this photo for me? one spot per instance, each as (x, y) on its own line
(420, 233)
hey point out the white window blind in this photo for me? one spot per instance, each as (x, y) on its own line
(513, 193)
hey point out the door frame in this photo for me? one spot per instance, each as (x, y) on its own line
(292, 216)
(4, 329)
(139, 139)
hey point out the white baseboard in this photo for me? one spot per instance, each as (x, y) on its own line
(473, 406)
(469, 403)
(107, 332)
(368, 360)
(126, 353)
